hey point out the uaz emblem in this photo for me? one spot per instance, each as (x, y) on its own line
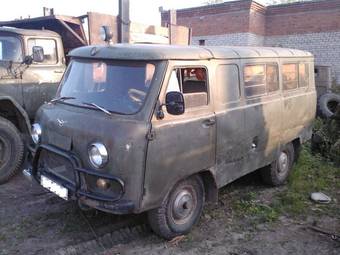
(61, 122)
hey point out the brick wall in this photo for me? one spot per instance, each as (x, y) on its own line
(235, 39)
(312, 26)
(324, 46)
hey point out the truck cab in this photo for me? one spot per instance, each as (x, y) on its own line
(32, 63)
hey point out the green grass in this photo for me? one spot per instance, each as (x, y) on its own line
(311, 174)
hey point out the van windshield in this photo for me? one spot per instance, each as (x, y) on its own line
(10, 49)
(115, 86)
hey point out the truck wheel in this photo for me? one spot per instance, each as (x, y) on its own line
(11, 150)
(180, 210)
(278, 171)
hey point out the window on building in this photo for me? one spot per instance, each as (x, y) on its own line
(303, 75)
(49, 46)
(290, 76)
(201, 42)
(228, 83)
(272, 78)
(254, 80)
(192, 82)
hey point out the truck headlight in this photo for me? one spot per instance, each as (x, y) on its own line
(36, 133)
(98, 155)
(105, 33)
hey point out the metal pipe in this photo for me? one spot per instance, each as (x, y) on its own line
(124, 21)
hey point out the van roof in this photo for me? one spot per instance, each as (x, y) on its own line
(163, 52)
(28, 32)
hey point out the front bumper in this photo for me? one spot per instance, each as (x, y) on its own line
(78, 189)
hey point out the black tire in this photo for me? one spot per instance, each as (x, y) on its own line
(278, 171)
(11, 150)
(169, 220)
(327, 104)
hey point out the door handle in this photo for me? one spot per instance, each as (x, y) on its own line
(209, 122)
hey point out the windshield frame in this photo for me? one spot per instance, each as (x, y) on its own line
(21, 41)
(158, 70)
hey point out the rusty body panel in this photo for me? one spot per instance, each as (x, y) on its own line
(229, 136)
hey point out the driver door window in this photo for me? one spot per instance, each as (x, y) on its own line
(192, 82)
(50, 49)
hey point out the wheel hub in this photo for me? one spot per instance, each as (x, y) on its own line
(283, 163)
(183, 205)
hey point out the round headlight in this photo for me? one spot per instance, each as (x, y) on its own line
(98, 155)
(36, 132)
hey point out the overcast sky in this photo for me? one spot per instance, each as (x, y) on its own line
(143, 11)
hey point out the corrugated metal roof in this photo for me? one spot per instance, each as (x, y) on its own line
(29, 32)
(163, 52)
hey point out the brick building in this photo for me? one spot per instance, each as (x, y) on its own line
(313, 26)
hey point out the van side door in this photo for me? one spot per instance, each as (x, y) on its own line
(181, 145)
(231, 149)
(263, 112)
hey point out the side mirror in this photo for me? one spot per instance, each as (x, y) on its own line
(175, 103)
(38, 54)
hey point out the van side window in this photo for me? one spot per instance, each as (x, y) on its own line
(228, 83)
(254, 80)
(192, 82)
(290, 76)
(303, 75)
(272, 77)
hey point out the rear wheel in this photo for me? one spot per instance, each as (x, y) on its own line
(277, 172)
(11, 150)
(180, 210)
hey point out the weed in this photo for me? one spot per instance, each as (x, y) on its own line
(312, 173)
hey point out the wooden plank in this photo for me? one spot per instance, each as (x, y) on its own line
(82, 40)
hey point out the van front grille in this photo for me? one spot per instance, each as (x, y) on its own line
(57, 165)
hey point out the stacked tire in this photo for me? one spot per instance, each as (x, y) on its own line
(327, 104)
(326, 136)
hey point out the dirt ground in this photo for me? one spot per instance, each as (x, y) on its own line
(34, 221)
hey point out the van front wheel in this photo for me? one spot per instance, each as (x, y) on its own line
(277, 172)
(180, 210)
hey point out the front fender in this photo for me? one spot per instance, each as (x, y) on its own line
(10, 106)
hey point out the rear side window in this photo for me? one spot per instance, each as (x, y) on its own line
(303, 75)
(261, 79)
(254, 80)
(193, 83)
(50, 49)
(272, 77)
(228, 83)
(290, 76)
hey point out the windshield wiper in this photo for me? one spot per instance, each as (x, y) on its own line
(61, 99)
(98, 107)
